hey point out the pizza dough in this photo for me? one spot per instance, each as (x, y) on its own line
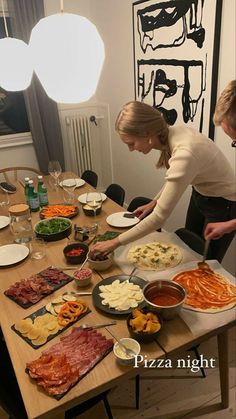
(155, 256)
(207, 290)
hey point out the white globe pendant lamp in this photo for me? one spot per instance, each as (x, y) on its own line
(68, 55)
(16, 66)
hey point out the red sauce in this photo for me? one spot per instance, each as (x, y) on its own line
(166, 296)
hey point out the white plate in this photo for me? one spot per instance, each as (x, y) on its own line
(118, 220)
(70, 182)
(12, 253)
(92, 195)
(4, 221)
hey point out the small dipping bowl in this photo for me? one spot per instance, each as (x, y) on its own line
(164, 297)
(82, 277)
(102, 264)
(80, 248)
(121, 357)
(143, 337)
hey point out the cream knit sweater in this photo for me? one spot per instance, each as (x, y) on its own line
(195, 160)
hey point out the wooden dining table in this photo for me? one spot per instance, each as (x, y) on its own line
(175, 335)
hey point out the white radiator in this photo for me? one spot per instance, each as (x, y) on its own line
(78, 143)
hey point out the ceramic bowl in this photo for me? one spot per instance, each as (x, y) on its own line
(82, 277)
(120, 355)
(143, 337)
(75, 259)
(164, 297)
(52, 229)
(101, 265)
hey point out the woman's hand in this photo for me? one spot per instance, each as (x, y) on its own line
(104, 247)
(216, 230)
(144, 210)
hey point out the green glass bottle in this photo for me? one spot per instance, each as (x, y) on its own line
(33, 198)
(27, 189)
(42, 192)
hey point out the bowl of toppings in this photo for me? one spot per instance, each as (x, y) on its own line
(164, 297)
(52, 229)
(83, 277)
(143, 325)
(100, 262)
(75, 253)
(122, 357)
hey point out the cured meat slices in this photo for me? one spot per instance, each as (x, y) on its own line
(62, 365)
(30, 290)
(207, 290)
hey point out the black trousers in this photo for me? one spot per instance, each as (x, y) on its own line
(203, 210)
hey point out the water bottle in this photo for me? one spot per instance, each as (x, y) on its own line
(27, 189)
(42, 192)
(33, 198)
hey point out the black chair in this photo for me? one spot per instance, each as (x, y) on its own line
(90, 177)
(194, 241)
(137, 202)
(83, 407)
(116, 193)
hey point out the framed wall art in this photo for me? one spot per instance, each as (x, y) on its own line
(176, 54)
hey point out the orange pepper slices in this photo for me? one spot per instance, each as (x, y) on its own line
(70, 312)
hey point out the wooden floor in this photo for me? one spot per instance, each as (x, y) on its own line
(173, 399)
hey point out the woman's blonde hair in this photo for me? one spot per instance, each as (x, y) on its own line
(225, 110)
(142, 120)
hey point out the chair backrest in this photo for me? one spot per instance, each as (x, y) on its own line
(90, 177)
(194, 241)
(137, 202)
(116, 193)
(13, 172)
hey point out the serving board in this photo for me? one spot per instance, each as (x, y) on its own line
(83, 373)
(45, 274)
(41, 312)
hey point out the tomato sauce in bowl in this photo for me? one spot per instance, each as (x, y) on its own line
(166, 297)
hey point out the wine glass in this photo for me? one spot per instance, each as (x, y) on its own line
(54, 169)
(68, 184)
(94, 202)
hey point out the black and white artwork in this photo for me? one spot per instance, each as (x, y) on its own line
(176, 52)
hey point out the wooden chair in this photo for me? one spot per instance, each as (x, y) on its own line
(11, 174)
(116, 193)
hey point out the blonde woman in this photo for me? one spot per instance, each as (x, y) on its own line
(190, 159)
(225, 116)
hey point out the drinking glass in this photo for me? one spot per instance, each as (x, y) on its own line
(37, 248)
(4, 198)
(68, 184)
(94, 201)
(54, 169)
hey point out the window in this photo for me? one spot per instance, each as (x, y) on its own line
(13, 115)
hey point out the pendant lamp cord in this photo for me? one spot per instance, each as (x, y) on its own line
(62, 6)
(4, 18)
